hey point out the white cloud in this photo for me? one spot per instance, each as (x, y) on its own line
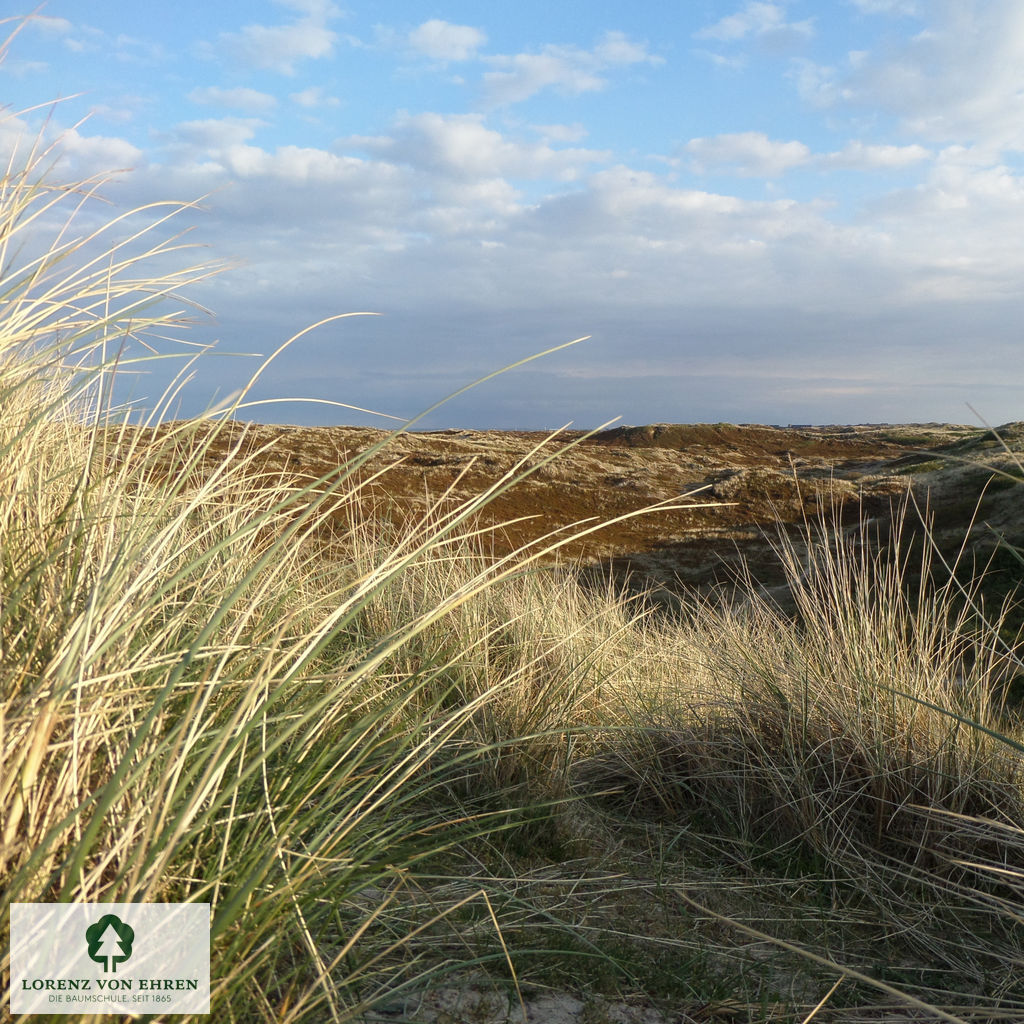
(79, 155)
(959, 80)
(239, 98)
(217, 133)
(82, 38)
(525, 74)
(461, 145)
(101, 152)
(314, 97)
(618, 48)
(433, 203)
(958, 231)
(753, 154)
(763, 21)
(441, 40)
(735, 62)
(818, 85)
(750, 154)
(49, 25)
(296, 165)
(858, 155)
(568, 69)
(86, 39)
(279, 47)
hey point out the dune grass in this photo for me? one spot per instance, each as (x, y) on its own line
(387, 759)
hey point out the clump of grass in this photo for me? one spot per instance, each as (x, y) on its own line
(850, 753)
(180, 717)
(835, 742)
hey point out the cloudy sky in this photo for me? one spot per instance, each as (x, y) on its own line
(760, 211)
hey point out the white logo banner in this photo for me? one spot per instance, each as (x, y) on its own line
(110, 958)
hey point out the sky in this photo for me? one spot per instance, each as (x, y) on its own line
(771, 212)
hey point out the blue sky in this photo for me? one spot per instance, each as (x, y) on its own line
(760, 211)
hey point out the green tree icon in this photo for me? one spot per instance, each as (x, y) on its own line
(110, 941)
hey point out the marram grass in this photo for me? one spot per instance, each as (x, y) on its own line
(176, 718)
(383, 757)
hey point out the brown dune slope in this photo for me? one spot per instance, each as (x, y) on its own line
(736, 485)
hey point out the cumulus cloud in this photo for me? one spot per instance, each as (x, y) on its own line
(617, 48)
(568, 69)
(296, 165)
(238, 99)
(462, 145)
(765, 22)
(279, 47)
(313, 97)
(858, 155)
(433, 203)
(755, 155)
(959, 80)
(97, 154)
(750, 154)
(441, 40)
(216, 133)
(524, 74)
(818, 85)
(79, 154)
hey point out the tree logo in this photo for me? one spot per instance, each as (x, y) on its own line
(110, 941)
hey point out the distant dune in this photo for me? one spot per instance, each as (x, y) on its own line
(737, 486)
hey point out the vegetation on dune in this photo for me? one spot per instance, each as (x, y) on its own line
(391, 761)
